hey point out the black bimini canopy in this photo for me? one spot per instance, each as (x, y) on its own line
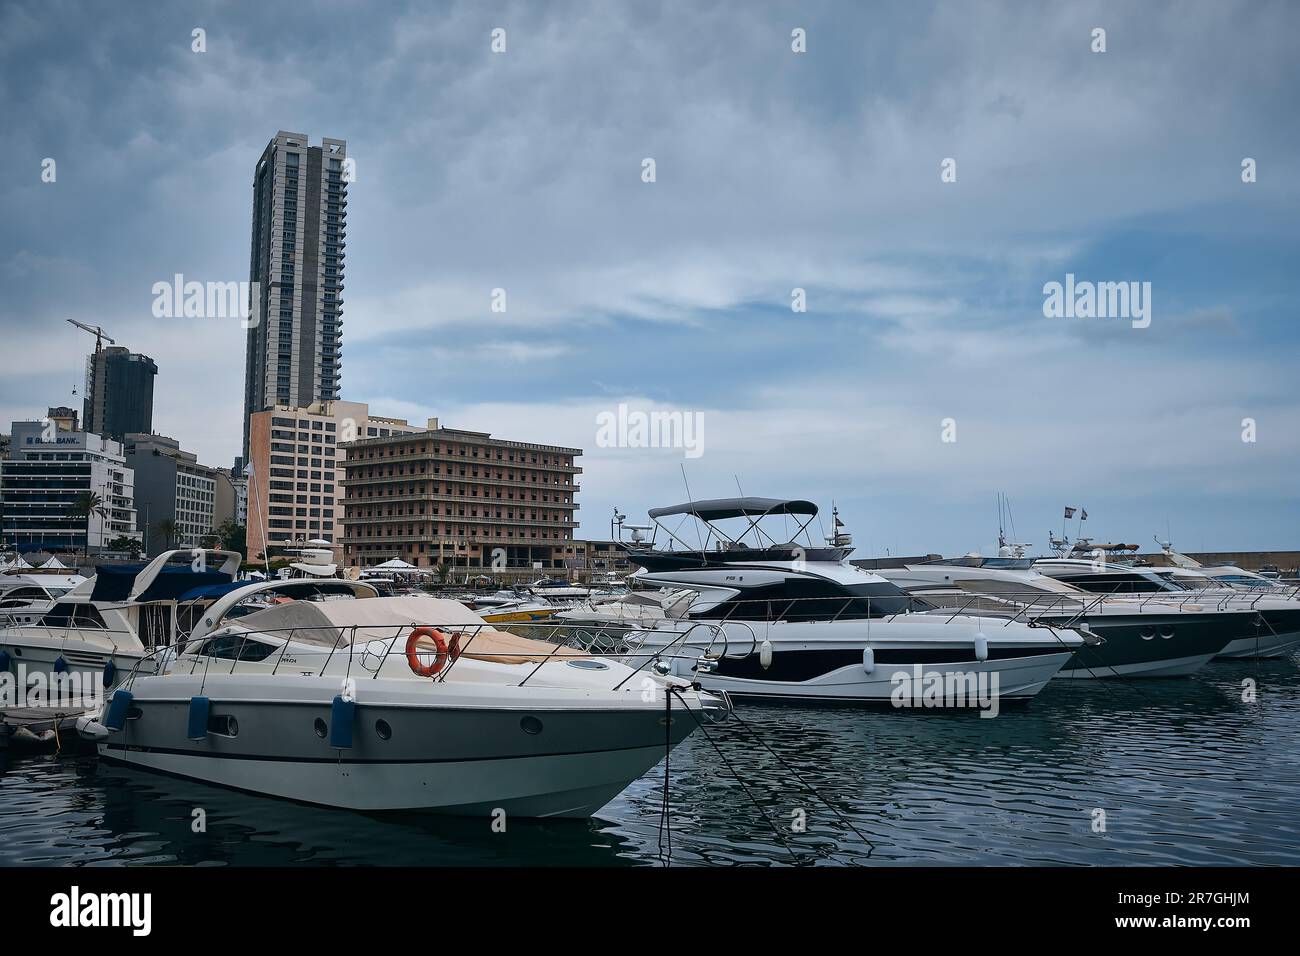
(717, 508)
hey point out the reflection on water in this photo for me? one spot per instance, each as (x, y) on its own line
(1184, 771)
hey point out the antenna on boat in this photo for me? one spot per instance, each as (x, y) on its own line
(1013, 548)
(838, 538)
(689, 497)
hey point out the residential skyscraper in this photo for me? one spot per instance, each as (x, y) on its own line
(119, 393)
(299, 234)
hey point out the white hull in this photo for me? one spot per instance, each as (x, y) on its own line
(1017, 678)
(572, 785)
(77, 656)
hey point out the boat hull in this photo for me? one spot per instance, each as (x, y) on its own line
(1017, 679)
(551, 761)
(1155, 646)
(1277, 634)
(828, 660)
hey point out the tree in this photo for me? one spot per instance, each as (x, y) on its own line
(88, 504)
(131, 545)
(442, 570)
(234, 537)
(169, 529)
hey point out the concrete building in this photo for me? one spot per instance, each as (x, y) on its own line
(119, 393)
(47, 469)
(448, 496)
(294, 458)
(171, 486)
(300, 200)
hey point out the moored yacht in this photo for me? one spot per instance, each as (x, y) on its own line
(1136, 639)
(1267, 626)
(403, 703)
(779, 617)
(26, 593)
(110, 621)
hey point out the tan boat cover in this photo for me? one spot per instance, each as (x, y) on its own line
(343, 622)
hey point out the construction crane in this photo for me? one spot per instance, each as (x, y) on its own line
(97, 332)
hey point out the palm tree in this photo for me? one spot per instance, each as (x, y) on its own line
(169, 529)
(87, 505)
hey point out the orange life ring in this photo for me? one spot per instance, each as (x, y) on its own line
(413, 659)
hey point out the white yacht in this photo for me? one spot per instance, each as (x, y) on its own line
(634, 609)
(26, 593)
(403, 703)
(109, 621)
(777, 618)
(1272, 624)
(1156, 638)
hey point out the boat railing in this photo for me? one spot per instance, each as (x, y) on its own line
(356, 645)
(1031, 605)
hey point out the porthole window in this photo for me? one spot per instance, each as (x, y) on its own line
(1166, 632)
(1147, 634)
(322, 729)
(530, 725)
(383, 729)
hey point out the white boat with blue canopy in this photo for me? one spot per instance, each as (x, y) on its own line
(111, 621)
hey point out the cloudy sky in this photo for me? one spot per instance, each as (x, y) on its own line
(774, 170)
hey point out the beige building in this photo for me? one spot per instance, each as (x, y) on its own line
(459, 498)
(295, 463)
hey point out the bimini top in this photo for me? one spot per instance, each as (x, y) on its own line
(717, 508)
(161, 579)
(114, 583)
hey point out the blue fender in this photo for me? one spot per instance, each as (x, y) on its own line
(198, 725)
(117, 708)
(342, 714)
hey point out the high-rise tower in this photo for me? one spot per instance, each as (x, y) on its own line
(300, 204)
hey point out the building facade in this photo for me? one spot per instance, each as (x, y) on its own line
(176, 497)
(298, 240)
(47, 469)
(443, 496)
(119, 393)
(295, 458)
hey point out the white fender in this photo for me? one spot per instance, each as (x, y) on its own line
(868, 660)
(981, 646)
(765, 654)
(88, 728)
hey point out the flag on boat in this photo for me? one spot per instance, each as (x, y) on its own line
(1084, 516)
(1069, 512)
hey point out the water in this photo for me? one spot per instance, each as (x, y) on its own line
(1185, 771)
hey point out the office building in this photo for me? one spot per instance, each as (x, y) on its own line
(47, 469)
(294, 458)
(119, 393)
(459, 498)
(176, 497)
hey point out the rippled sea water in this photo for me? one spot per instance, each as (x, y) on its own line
(1184, 770)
